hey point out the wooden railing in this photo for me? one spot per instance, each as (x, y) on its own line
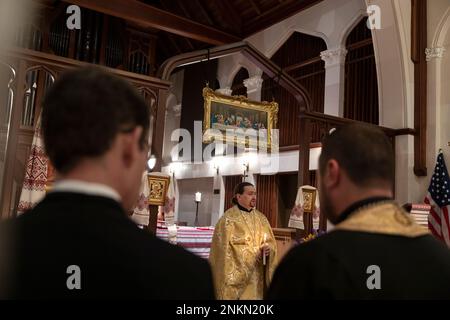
(25, 62)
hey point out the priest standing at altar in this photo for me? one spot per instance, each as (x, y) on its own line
(243, 250)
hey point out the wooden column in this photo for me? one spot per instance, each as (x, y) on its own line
(303, 159)
(157, 149)
(418, 45)
(153, 219)
(303, 170)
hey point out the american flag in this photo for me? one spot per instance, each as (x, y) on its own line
(438, 197)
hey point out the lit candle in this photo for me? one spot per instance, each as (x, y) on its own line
(198, 197)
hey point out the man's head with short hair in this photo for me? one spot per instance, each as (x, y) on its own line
(357, 162)
(95, 127)
(245, 195)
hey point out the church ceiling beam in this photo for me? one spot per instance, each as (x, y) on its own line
(148, 16)
(255, 7)
(229, 13)
(203, 12)
(278, 13)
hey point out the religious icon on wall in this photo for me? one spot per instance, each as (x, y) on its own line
(158, 185)
(307, 201)
(238, 120)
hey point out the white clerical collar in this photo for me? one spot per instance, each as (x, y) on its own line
(89, 188)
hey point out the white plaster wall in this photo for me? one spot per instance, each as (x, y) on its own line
(228, 67)
(233, 165)
(439, 75)
(329, 19)
(407, 184)
(187, 207)
(442, 39)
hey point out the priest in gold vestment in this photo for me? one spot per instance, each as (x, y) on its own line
(243, 249)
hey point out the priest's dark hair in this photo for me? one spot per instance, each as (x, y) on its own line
(239, 189)
(364, 152)
(84, 111)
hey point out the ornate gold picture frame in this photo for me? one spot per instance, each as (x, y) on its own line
(158, 186)
(238, 120)
(309, 199)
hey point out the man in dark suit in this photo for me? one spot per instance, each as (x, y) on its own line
(376, 250)
(78, 241)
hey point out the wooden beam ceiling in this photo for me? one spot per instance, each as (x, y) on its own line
(183, 9)
(203, 12)
(231, 14)
(278, 13)
(255, 7)
(149, 16)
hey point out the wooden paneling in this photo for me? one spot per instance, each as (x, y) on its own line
(230, 183)
(300, 57)
(267, 197)
(361, 87)
(418, 45)
(195, 78)
(285, 241)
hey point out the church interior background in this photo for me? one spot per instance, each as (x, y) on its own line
(321, 61)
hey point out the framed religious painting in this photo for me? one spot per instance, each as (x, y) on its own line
(158, 185)
(238, 120)
(309, 199)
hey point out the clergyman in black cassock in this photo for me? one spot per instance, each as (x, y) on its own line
(78, 241)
